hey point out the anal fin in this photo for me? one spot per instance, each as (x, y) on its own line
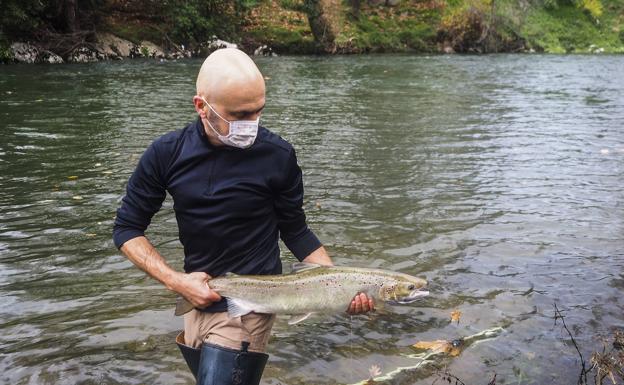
(295, 319)
(237, 308)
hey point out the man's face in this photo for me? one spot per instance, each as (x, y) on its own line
(233, 102)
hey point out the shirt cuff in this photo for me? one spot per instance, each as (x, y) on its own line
(122, 235)
(303, 245)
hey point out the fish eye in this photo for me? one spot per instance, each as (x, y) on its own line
(411, 287)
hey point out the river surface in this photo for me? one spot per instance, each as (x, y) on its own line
(498, 178)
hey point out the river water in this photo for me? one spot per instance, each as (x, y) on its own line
(498, 178)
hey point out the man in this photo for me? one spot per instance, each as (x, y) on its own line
(236, 189)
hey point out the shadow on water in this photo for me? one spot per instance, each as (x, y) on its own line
(497, 178)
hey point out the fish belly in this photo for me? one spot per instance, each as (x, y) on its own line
(298, 300)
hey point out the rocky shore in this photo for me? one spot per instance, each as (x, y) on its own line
(110, 47)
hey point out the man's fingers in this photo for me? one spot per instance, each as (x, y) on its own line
(361, 304)
(358, 304)
(364, 302)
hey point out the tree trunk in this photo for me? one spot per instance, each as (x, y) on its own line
(324, 19)
(69, 14)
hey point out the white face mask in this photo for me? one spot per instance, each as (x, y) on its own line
(242, 133)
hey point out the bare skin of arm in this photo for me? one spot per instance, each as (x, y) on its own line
(360, 303)
(192, 286)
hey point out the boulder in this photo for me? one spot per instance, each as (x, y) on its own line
(149, 49)
(24, 52)
(264, 50)
(84, 54)
(49, 57)
(113, 47)
(212, 45)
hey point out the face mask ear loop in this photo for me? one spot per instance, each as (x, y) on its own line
(213, 110)
(221, 117)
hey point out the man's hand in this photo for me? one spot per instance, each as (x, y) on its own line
(194, 287)
(361, 304)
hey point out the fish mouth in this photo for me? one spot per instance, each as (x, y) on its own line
(412, 297)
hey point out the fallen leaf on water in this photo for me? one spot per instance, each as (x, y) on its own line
(452, 348)
(72, 177)
(374, 371)
(91, 234)
(455, 316)
(436, 346)
(77, 197)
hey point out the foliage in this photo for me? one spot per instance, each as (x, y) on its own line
(20, 16)
(593, 6)
(568, 28)
(5, 50)
(482, 26)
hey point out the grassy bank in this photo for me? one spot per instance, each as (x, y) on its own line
(450, 25)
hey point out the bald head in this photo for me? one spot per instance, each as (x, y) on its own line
(232, 85)
(227, 72)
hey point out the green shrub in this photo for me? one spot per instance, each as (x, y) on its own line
(5, 50)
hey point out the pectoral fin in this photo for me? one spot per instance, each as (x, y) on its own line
(183, 306)
(295, 319)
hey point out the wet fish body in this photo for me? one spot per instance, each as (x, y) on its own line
(310, 289)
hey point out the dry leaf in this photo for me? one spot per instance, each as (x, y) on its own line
(72, 177)
(452, 348)
(77, 198)
(455, 316)
(436, 346)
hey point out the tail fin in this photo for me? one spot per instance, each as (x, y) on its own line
(183, 306)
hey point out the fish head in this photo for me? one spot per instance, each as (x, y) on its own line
(403, 289)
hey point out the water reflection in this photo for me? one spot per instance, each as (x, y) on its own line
(498, 178)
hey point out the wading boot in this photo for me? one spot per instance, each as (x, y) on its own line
(191, 355)
(223, 366)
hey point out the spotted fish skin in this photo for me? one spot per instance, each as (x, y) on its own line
(310, 289)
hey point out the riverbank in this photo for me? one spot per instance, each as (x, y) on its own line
(124, 29)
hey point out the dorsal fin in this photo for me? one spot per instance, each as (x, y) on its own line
(229, 274)
(298, 267)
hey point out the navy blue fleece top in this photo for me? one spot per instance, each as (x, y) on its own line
(231, 204)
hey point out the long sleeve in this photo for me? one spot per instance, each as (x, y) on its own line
(144, 196)
(290, 215)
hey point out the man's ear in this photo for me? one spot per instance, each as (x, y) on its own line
(200, 106)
